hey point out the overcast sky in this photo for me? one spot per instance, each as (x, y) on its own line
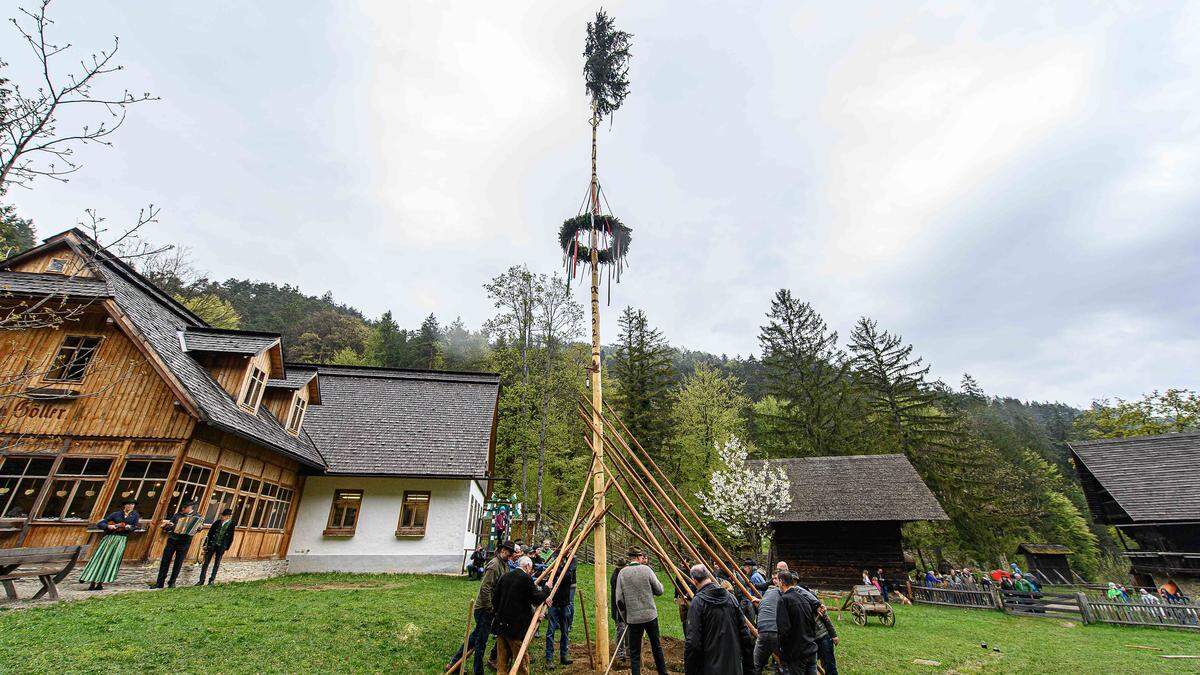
(1009, 186)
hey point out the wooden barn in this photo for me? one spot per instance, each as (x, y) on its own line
(846, 515)
(110, 389)
(1147, 488)
(1048, 560)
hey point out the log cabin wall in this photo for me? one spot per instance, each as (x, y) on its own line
(834, 554)
(230, 370)
(61, 260)
(67, 461)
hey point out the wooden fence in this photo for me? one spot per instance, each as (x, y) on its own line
(1138, 614)
(1054, 605)
(955, 597)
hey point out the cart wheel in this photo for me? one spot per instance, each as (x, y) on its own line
(888, 619)
(860, 616)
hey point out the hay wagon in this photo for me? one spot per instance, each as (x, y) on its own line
(866, 601)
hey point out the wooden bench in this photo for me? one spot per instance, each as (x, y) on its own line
(50, 565)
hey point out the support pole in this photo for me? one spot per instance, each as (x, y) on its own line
(466, 638)
(587, 636)
(737, 570)
(600, 536)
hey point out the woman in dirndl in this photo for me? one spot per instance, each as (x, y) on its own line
(106, 561)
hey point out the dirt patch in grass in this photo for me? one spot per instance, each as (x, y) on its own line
(672, 650)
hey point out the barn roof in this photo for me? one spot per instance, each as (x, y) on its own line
(378, 421)
(856, 488)
(1151, 478)
(1043, 549)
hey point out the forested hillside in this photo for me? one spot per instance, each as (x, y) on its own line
(998, 465)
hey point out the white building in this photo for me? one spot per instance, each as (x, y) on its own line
(408, 457)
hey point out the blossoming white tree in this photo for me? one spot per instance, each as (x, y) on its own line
(742, 498)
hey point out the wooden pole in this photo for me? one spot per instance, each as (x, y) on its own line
(600, 537)
(467, 638)
(678, 497)
(620, 446)
(587, 637)
(541, 609)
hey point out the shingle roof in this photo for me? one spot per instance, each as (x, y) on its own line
(856, 488)
(203, 339)
(298, 375)
(158, 318)
(52, 284)
(1044, 549)
(1152, 478)
(398, 422)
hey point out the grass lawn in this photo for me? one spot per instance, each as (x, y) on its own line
(411, 624)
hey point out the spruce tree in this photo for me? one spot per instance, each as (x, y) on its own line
(643, 370)
(426, 345)
(893, 384)
(805, 371)
(388, 343)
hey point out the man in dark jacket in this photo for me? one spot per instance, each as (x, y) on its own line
(796, 621)
(219, 539)
(492, 571)
(618, 617)
(513, 600)
(717, 640)
(180, 529)
(561, 615)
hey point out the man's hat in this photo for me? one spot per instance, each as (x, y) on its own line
(508, 545)
(635, 553)
(191, 502)
(749, 562)
(129, 501)
(227, 512)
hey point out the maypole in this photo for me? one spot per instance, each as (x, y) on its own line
(605, 70)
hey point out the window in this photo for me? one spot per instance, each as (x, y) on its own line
(279, 514)
(299, 405)
(223, 496)
(21, 479)
(76, 489)
(72, 358)
(191, 484)
(247, 502)
(413, 514)
(254, 388)
(343, 514)
(57, 266)
(142, 480)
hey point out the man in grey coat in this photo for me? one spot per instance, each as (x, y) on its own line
(637, 586)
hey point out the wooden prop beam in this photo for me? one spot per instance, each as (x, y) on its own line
(541, 609)
(736, 574)
(466, 638)
(587, 637)
(619, 448)
(658, 548)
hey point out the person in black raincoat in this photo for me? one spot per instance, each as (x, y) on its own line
(717, 641)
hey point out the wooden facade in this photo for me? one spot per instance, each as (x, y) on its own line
(834, 554)
(72, 448)
(1048, 560)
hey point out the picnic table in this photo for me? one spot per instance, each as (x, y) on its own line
(50, 565)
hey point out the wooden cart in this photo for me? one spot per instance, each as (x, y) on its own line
(866, 601)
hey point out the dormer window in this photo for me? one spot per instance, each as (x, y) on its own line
(254, 388)
(57, 266)
(72, 359)
(299, 406)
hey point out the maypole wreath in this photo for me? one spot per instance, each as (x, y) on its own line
(613, 236)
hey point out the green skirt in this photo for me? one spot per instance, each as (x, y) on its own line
(106, 562)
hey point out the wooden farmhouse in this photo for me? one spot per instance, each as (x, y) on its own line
(110, 389)
(1048, 560)
(846, 515)
(1147, 487)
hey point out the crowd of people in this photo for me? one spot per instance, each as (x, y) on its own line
(105, 564)
(718, 615)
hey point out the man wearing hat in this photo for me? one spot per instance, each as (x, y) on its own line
(492, 571)
(637, 585)
(179, 528)
(219, 539)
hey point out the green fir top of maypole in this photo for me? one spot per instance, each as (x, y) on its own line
(606, 65)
